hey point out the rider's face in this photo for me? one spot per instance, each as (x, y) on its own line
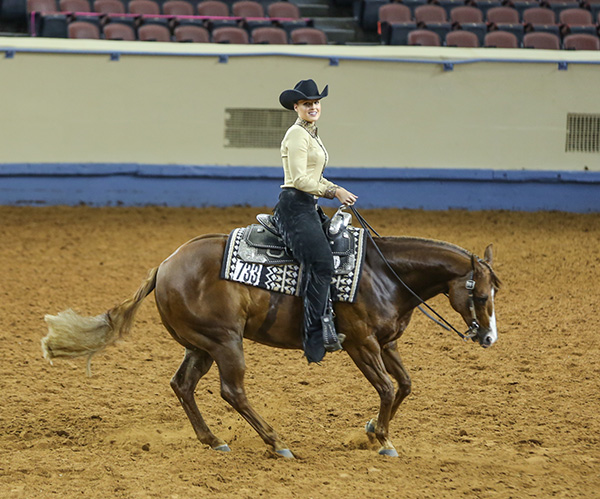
(309, 110)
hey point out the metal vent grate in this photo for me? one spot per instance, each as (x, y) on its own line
(256, 128)
(583, 133)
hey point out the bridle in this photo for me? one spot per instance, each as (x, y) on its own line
(469, 334)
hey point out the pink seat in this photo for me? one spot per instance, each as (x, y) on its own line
(466, 14)
(230, 34)
(212, 8)
(248, 8)
(581, 41)
(194, 34)
(541, 40)
(308, 36)
(144, 7)
(83, 30)
(539, 16)
(109, 7)
(154, 33)
(270, 35)
(74, 5)
(178, 8)
(430, 13)
(503, 15)
(41, 6)
(118, 31)
(286, 10)
(424, 37)
(394, 13)
(501, 39)
(460, 38)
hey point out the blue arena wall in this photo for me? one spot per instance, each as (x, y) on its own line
(198, 186)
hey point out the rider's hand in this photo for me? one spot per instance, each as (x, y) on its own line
(345, 197)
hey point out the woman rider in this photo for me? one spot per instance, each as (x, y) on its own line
(299, 219)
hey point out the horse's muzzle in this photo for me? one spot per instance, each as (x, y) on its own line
(486, 337)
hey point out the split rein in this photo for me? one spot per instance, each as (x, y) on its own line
(470, 285)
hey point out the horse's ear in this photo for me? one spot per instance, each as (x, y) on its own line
(488, 254)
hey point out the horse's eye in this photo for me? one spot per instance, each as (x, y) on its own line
(481, 299)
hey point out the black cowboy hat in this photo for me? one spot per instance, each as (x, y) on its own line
(304, 90)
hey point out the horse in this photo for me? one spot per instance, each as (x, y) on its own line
(210, 317)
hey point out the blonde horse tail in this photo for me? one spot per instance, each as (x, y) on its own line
(72, 335)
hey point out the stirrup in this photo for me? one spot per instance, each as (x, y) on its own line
(332, 341)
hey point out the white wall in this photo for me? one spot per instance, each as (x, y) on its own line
(167, 109)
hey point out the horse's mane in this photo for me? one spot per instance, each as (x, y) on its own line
(450, 246)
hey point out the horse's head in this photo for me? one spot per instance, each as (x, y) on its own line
(472, 296)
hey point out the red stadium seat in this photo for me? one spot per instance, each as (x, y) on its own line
(577, 21)
(433, 18)
(178, 8)
(283, 9)
(460, 38)
(424, 37)
(74, 5)
(154, 33)
(83, 30)
(270, 35)
(581, 42)
(308, 36)
(395, 23)
(501, 39)
(541, 40)
(469, 18)
(144, 7)
(42, 6)
(194, 34)
(248, 8)
(230, 34)
(109, 7)
(540, 19)
(118, 31)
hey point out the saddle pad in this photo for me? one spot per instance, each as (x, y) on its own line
(285, 278)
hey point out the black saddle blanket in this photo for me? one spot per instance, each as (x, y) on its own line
(256, 257)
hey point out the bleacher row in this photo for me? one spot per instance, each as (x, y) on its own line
(552, 24)
(217, 21)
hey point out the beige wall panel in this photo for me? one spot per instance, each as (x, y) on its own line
(73, 108)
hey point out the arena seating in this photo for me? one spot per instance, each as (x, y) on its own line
(280, 19)
(491, 21)
(460, 38)
(541, 40)
(393, 21)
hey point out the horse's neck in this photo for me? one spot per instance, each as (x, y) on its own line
(425, 265)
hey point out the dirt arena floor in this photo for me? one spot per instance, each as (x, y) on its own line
(517, 420)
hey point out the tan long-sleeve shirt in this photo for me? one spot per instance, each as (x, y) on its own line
(304, 158)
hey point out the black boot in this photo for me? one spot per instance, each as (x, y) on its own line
(331, 340)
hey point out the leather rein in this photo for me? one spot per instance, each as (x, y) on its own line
(471, 333)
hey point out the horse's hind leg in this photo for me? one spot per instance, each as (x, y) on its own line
(196, 364)
(230, 360)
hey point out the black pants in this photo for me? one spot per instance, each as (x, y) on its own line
(299, 223)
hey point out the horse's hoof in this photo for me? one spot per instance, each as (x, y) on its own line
(370, 427)
(285, 453)
(222, 448)
(388, 452)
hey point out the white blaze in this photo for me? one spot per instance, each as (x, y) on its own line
(493, 329)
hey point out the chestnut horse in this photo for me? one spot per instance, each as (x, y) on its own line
(210, 317)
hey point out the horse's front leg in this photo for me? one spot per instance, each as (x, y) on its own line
(229, 356)
(368, 358)
(393, 364)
